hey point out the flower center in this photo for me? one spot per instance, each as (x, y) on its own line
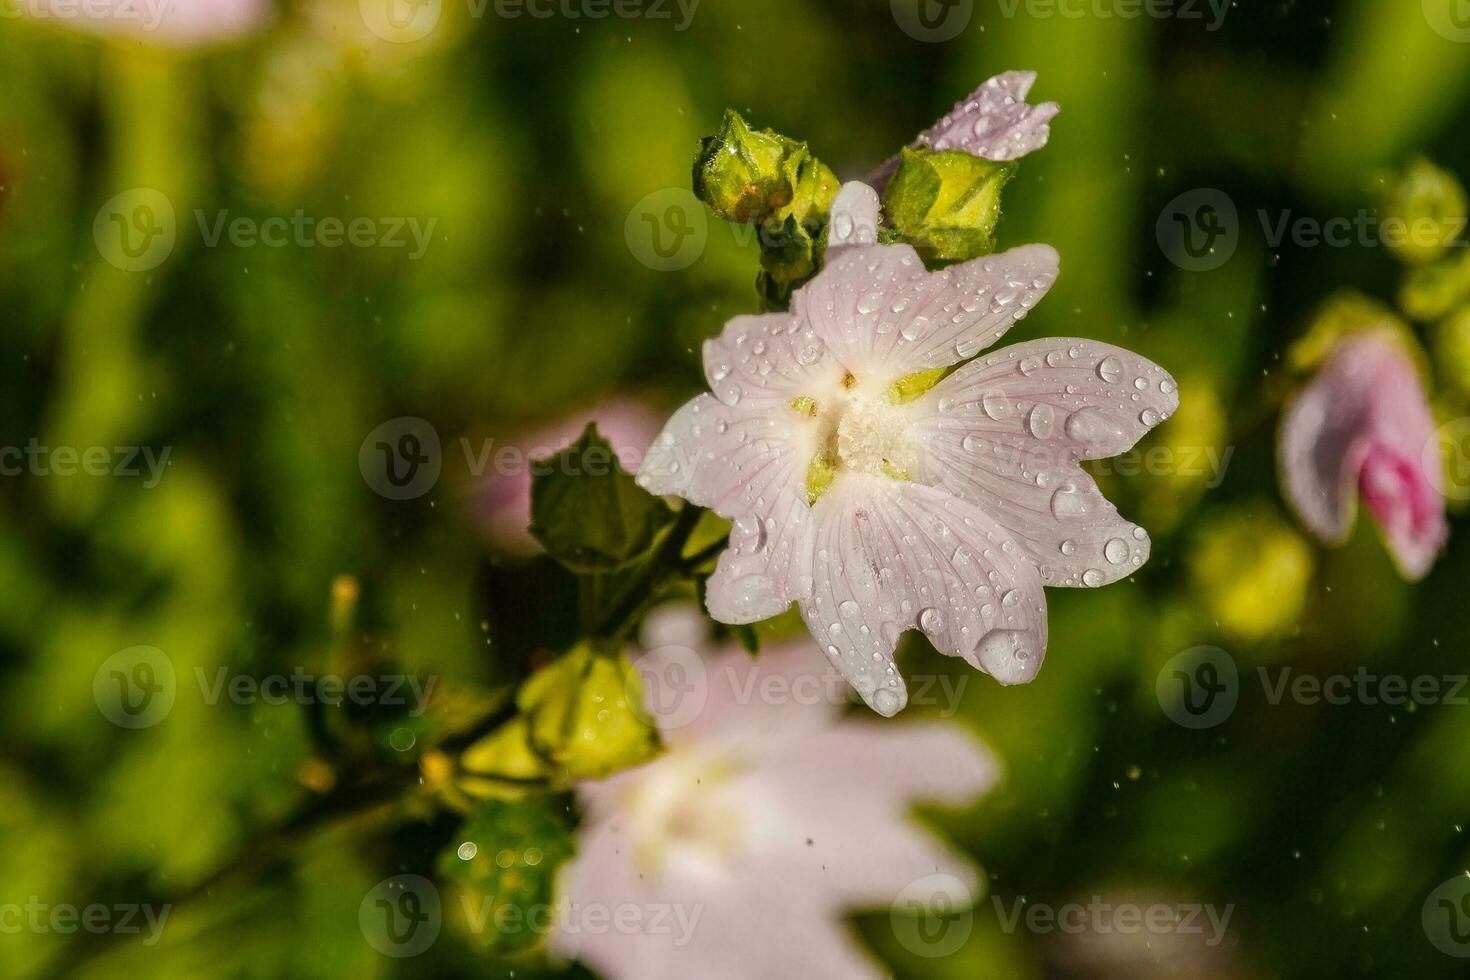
(873, 437)
(860, 431)
(684, 813)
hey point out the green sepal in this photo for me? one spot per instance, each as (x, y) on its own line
(588, 512)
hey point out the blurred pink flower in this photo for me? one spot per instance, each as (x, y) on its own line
(165, 23)
(767, 821)
(1363, 424)
(995, 122)
(502, 504)
(881, 501)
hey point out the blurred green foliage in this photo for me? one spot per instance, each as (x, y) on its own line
(531, 145)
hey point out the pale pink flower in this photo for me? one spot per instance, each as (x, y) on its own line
(1363, 424)
(502, 504)
(945, 512)
(162, 23)
(995, 122)
(741, 851)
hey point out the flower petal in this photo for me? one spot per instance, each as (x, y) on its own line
(1007, 431)
(995, 121)
(854, 216)
(748, 465)
(881, 313)
(892, 556)
(725, 458)
(765, 358)
(767, 565)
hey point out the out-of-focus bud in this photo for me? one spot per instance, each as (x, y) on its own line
(581, 718)
(946, 204)
(1432, 291)
(761, 178)
(1361, 426)
(1430, 204)
(1347, 314)
(1251, 570)
(1451, 341)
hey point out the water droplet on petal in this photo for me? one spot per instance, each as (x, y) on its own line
(1092, 578)
(1110, 368)
(1116, 551)
(931, 620)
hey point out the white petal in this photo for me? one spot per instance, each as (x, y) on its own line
(733, 460)
(768, 563)
(882, 314)
(747, 464)
(995, 122)
(892, 556)
(854, 217)
(766, 358)
(1006, 432)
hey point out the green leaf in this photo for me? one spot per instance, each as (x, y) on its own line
(587, 511)
(764, 179)
(946, 204)
(506, 880)
(585, 714)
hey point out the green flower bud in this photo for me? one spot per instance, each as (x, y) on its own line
(946, 204)
(1431, 205)
(1451, 341)
(764, 179)
(583, 717)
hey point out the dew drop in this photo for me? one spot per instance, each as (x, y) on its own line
(1116, 551)
(1040, 421)
(931, 620)
(1110, 368)
(1092, 578)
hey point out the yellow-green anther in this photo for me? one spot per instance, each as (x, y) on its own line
(893, 472)
(804, 405)
(819, 476)
(1429, 292)
(911, 386)
(1452, 349)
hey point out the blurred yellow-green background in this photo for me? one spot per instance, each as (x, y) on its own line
(226, 262)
